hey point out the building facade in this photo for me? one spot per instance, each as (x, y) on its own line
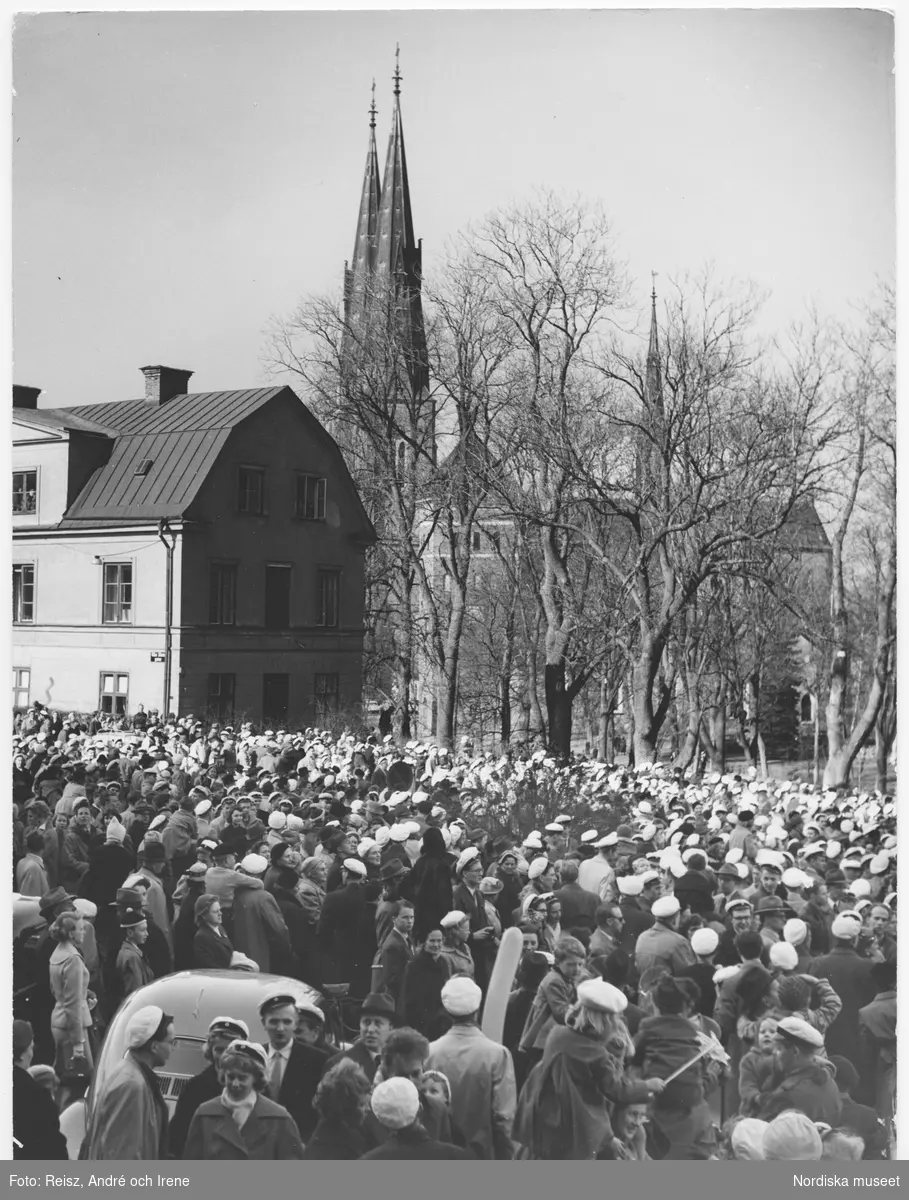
(195, 553)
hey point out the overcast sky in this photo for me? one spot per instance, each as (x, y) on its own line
(181, 177)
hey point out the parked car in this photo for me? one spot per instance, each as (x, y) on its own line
(193, 999)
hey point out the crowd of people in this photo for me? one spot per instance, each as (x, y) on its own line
(707, 966)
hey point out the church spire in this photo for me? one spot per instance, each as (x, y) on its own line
(398, 253)
(654, 376)
(358, 277)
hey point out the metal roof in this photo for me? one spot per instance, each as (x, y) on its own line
(183, 438)
(181, 414)
(62, 419)
(180, 463)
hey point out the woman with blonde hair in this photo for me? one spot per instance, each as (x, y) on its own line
(242, 1123)
(563, 1110)
(71, 1019)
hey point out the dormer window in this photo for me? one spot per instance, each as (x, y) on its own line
(311, 498)
(144, 466)
(25, 492)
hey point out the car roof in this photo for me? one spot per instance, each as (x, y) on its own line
(194, 999)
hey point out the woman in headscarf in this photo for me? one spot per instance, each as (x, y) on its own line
(311, 888)
(429, 884)
(563, 1109)
(242, 1123)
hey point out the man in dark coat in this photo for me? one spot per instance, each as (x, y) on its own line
(429, 884)
(109, 865)
(397, 950)
(694, 890)
(347, 939)
(850, 977)
(206, 1085)
(294, 1069)
(636, 917)
(808, 1082)
(36, 1123)
(299, 929)
(579, 907)
(377, 1017)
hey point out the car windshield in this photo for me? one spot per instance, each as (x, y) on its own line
(186, 1058)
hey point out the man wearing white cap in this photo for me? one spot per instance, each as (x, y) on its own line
(347, 933)
(395, 1104)
(129, 1116)
(480, 1072)
(808, 1083)
(206, 1085)
(850, 977)
(663, 946)
(259, 929)
(597, 874)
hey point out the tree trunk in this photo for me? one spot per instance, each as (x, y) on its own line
(647, 720)
(605, 718)
(558, 709)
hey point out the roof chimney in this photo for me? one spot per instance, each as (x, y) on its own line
(163, 383)
(25, 397)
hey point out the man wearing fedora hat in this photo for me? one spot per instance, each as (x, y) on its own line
(377, 1019)
(152, 860)
(772, 914)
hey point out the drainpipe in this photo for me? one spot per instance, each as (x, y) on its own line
(164, 528)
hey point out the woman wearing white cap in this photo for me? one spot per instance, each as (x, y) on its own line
(242, 1123)
(563, 1109)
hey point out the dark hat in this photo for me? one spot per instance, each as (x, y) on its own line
(130, 917)
(153, 852)
(279, 1000)
(728, 871)
(746, 815)
(836, 877)
(770, 904)
(378, 1004)
(223, 849)
(393, 870)
(277, 852)
(52, 899)
(23, 1036)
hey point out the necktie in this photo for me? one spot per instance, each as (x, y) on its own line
(274, 1083)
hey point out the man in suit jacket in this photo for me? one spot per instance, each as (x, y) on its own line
(579, 907)
(294, 1070)
(397, 950)
(377, 1018)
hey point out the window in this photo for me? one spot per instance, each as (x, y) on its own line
(118, 594)
(329, 595)
(311, 498)
(144, 466)
(23, 593)
(328, 694)
(22, 679)
(277, 596)
(25, 492)
(221, 689)
(496, 538)
(275, 697)
(114, 693)
(222, 594)
(477, 539)
(251, 490)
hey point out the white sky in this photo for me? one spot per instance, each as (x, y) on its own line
(181, 177)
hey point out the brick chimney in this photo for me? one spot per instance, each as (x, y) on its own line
(163, 383)
(25, 397)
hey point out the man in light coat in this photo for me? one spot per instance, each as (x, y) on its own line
(597, 875)
(480, 1072)
(129, 1117)
(663, 946)
(259, 928)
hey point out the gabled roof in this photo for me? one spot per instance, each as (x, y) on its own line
(182, 414)
(181, 438)
(62, 420)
